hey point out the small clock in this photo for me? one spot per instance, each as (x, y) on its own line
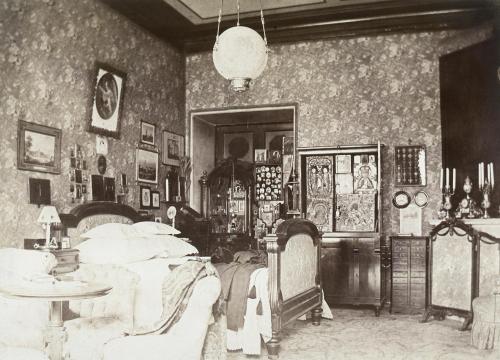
(421, 198)
(401, 199)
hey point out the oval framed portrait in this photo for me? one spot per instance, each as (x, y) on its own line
(401, 199)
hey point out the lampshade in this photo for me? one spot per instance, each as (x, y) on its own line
(240, 55)
(49, 215)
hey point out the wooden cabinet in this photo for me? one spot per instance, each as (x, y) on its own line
(351, 271)
(409, 275)
(340, 189)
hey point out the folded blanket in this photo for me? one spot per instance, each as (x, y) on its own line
(235, 278)
(176, 291)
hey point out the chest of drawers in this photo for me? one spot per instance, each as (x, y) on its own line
(409, 276)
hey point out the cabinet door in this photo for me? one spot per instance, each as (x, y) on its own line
(368, 273)
(336, 270)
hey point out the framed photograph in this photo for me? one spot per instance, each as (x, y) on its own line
(146, 168)
(148, 133)
(145, 200)
(38, 148)
(409, 165)
(239, 145)
(155, 199)
(172, 148)
(107, 101)
(260, 155)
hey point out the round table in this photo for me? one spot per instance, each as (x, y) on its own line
(57, 292)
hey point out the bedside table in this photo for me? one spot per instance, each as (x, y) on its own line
(67, 260)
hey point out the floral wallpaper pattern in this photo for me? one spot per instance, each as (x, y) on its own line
(48, 49)
(352, 91)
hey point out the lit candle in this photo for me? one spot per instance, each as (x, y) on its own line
(479, 175)
(492, 176)
(441, 180)
(447, 178)
(454, 178)
(488, 173)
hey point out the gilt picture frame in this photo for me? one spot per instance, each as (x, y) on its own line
(172, 148)
(107, 101)
(148, 133)
(38, 148)
(146, 166)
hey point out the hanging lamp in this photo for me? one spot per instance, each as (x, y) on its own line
(240, 53)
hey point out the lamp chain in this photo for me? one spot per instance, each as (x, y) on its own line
(262, 20)
(238, 13)
(218, 22)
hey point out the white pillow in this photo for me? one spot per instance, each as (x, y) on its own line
(26, 262)
(173, 246)
(155, 228)
(123, 251)
(111, 231)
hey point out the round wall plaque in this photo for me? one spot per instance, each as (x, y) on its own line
(401, 199)
(421, 198)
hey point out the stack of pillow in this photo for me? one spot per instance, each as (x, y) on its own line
(116, 243)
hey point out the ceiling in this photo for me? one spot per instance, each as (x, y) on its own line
(191, 25)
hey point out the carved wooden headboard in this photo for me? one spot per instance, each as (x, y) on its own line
(89, 215)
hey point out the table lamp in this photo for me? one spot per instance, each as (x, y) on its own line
(47, 217)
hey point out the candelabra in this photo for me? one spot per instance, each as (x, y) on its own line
(485, 204)
(467, 206)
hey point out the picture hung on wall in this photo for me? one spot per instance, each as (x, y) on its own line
(365, 173)
(239, 146)
(260, 156)
(343, 164)
(409, 165)
(147, 133)
(356, 212)
(145, 200)
(155, 199)
(172, 148)
(274, 139)
(107, 101)
(38, 148)
(146, 168)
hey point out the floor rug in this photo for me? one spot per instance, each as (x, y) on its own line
(357, 334)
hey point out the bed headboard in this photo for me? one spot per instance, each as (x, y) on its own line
(89, 215)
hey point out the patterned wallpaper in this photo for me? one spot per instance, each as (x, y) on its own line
(352, 91)
(47, 54)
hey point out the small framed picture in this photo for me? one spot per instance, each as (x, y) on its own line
(72, 162)
(145, 201)
(147, 133)
(38, 148)
(146, 166)
(78, 176)
(107, 102)
(260, 155)
(155, 199)
(65, 243)
(172, 148)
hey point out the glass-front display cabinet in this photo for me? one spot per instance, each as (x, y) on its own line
(341, 195)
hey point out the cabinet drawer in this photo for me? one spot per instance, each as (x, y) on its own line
(67, 259)
(398, 280)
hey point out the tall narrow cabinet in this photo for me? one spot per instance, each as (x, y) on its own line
(341, 194)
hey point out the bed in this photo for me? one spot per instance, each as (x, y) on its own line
(293, 288)
(293, 272)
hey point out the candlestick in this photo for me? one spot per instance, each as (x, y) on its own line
(447, 178)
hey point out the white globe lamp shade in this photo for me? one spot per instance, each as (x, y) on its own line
(240, 55)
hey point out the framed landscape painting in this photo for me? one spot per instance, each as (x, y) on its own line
(146, 168)
(38, 148)
(107, 101)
